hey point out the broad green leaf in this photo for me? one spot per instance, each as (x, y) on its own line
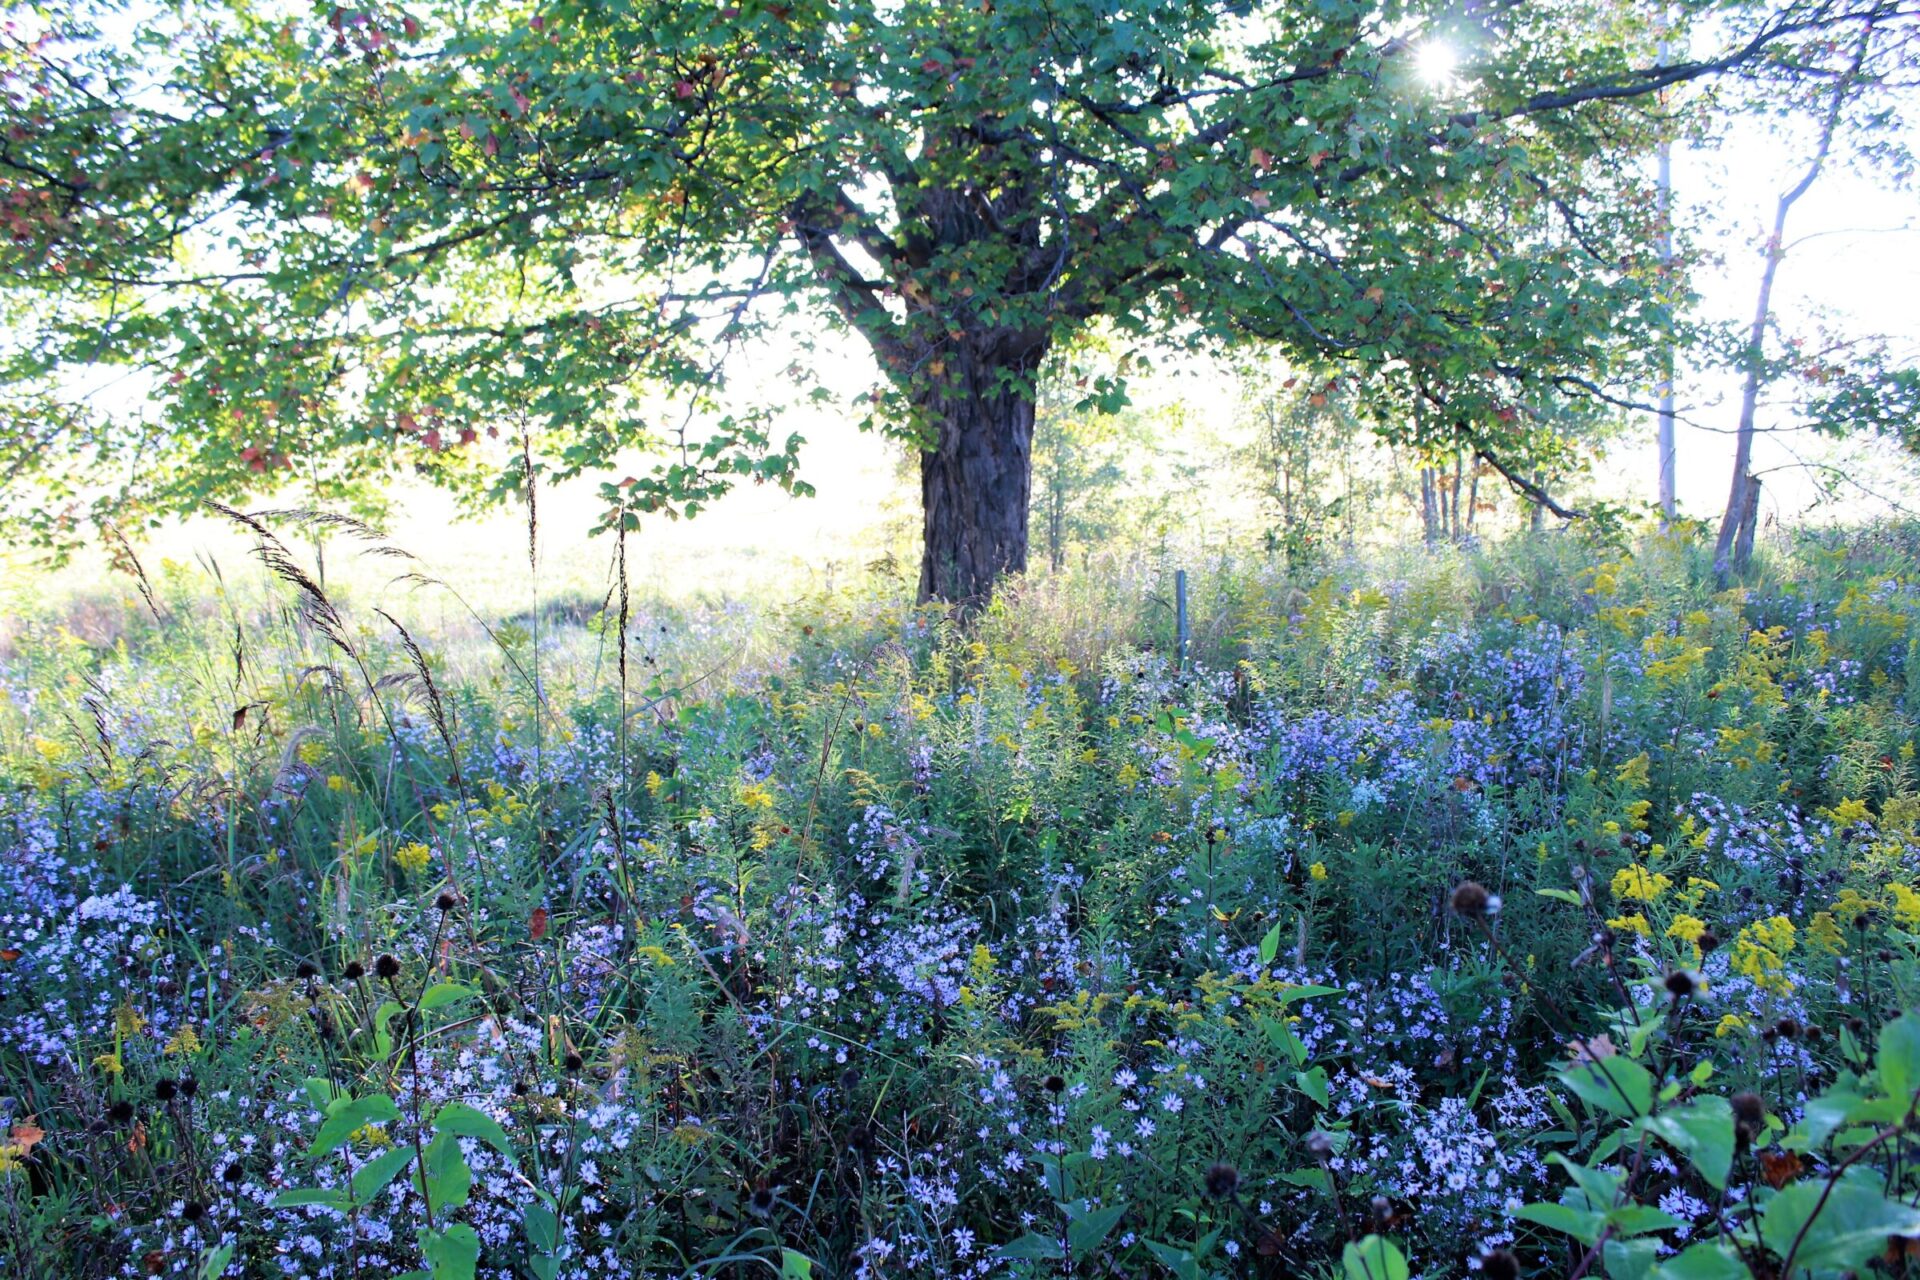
(1707, 1260)
(215, 1263)
(795, 1265)
(1086, 1232)
(371, 1178)
(1629, 1259)
(1584, 1225)
(1616, 1085)
(449, 1180)
(1374, 1258)
(451, 1254)
(1031, 1247)
(1846, 1231)
(1898, 1059)
(348, 1114)
(441, 994)
(470, 1122)
(1702, 1130)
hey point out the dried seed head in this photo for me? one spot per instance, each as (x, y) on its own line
(1319, 1145)
(386, 966)
(355, 971)
(164, 1089)
(1707, 941)
(307, 971)
(1471, 900)
(445, 902)
(1223, 1180)
(1682, 983)
(1053, 1084)
(1500, 1264)
(120, 1112)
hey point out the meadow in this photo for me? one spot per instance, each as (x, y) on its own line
(1545, 909)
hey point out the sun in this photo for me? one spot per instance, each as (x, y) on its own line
(1437, 62)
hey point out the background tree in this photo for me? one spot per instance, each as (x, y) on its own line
(1851, 71)
(332, 246)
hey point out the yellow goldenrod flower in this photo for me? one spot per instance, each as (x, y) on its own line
(1634, 883)
(413, 857)
(1318, 871)
(1635, 923)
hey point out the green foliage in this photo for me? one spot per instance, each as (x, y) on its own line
(340, 245)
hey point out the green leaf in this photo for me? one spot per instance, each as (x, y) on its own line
(470, 1122)
(1087, 1230)
(452, 1254)
(1032, 1247)
(1707, 1260)
(1600, 1187)
(1281, 1036)
(542, 1228)
(215, 1263)
(1584, 1225)
(1617, 1085)
(1270, 946)
(1314, 1084)
(444, 993)
(331, 1197)
(795, 1265)
(348, 1114)
(449, 1180)
(1898, 1059)
(1638, 1219)
(1630, 1259)
(1819, 1119)
(1560, 895)
(1846, 1231)
(371, 1178)
(1702, 1130)
(1374, 1258)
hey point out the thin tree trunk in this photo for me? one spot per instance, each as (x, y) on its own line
(1429, 505)
(1663, 206)
(1743, 495)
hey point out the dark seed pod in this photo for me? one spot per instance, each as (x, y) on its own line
(1053, 1084)
(355, 971)
(386, 966)
(164, 1089)
(1471, 900)
(1500, 1264)
(1223, 1180)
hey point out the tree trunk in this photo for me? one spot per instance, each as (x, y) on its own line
(976, 481)
(1663, 245)
(1731, 549)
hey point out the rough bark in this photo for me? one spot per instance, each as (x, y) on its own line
(976, 479)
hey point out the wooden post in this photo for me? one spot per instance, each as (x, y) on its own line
(1182, 633)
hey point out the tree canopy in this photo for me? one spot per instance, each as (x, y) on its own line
(338, 243)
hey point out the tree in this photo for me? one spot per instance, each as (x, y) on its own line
(337, 247)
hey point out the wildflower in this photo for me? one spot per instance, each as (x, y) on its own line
(1729, 1024)
(183, 1043)
(1633, 883)
(1906, 905)
(1318, 871)
(1635, 923)
(1760, 952)
(412, 857)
